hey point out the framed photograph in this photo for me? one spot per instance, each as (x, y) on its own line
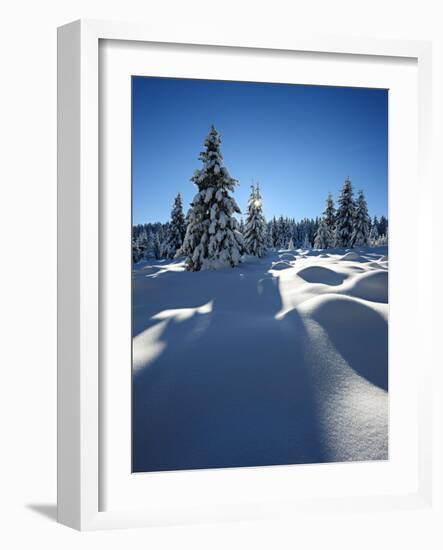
(239, 315)
(259, 314)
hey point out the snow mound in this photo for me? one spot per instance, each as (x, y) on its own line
(372, 286)
(324, 256)
(351, 257)
(287, 256)
(279, 266)
(301, 376)
(384, 259)
(354, 328)
(322, 275)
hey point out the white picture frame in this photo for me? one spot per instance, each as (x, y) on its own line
(80, 204)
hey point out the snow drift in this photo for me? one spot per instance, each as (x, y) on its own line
(322, 275)
(272, 362)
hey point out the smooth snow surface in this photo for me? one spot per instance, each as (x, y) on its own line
(273, 362)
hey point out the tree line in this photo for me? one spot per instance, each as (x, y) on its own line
(211, 237)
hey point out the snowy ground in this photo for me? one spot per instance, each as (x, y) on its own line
(282, 360)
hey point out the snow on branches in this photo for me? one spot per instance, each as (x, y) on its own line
(176, 229)
(362, 222)
(345, 216)
(255, 229)
(212, 239)
(323, 238)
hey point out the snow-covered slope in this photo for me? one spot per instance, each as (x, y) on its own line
(281, 360)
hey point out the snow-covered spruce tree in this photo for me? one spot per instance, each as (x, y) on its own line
(329, 218)
(281, 229)
(136, 255)
(255, 235)
(274, 232)
(196, 229)
(160, 236)
(375, 222)
(241, 227)
(176, 229)
(157, 247)
(269, 241)
(288, 231)
(362, 222)
(212, 239)
(382, 240)
(148, 246)
(139, 245)
(306, 242)
(344, 226)
(323, 236)
(373, 236)
(382, 226)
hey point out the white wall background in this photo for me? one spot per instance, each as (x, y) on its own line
(28, 258)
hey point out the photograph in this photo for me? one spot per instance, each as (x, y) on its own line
(259, 274)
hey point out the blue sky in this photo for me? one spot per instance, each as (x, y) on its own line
(299, 142)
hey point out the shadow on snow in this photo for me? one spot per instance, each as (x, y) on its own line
(230, 387)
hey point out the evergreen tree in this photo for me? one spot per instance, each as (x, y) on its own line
(160, 236)
(255, 228)
(362, 222)
(306, 242)
(241, 227)
(297, 235)
(269, 242)
(329, 219)
(138, 245)
(136, 256)
(288, 231)
(157, 247)
(314, 229)
(274, 232)
(149, 246)
(323, 237)
(212, 238)
(383, 226)
(281, 231)
(382, 240)
(373, 237)
(176, 229)
(345, 216)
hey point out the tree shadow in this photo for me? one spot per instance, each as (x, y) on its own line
(230, 387)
